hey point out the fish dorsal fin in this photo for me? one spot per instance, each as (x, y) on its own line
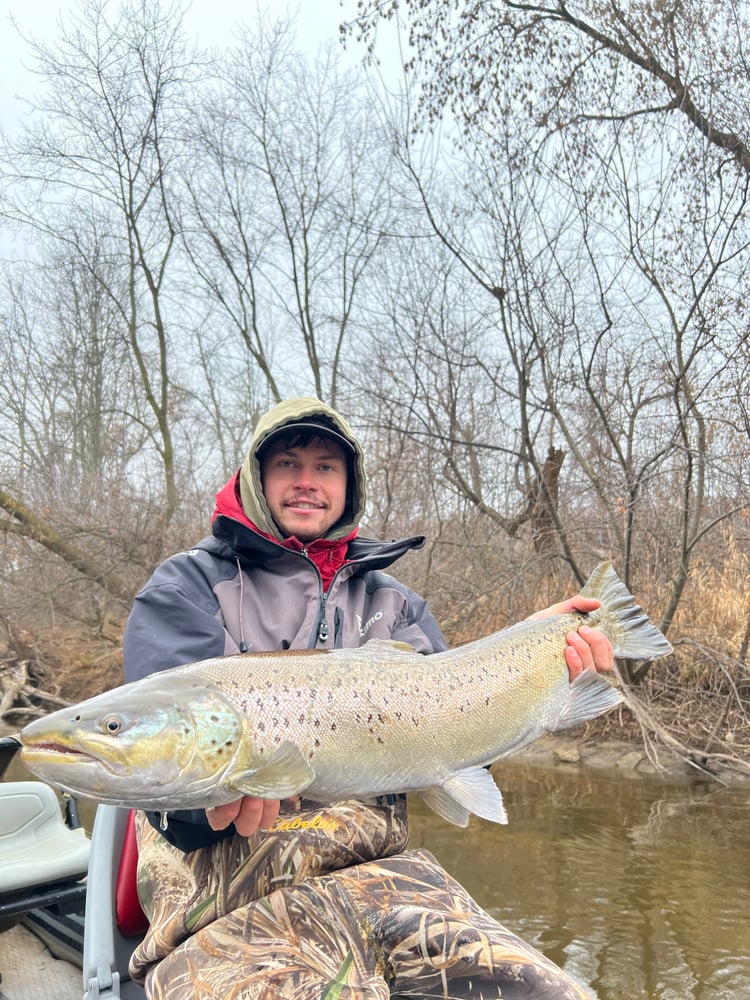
(472, 790)
(379, 647)
(285, 773)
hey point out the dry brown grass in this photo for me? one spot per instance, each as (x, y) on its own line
(54, 667)
(695, 702)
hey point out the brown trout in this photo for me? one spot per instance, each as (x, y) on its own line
(348, 723)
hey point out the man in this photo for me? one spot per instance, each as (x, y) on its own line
(284, 568)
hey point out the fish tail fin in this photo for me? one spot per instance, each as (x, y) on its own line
(624, 622)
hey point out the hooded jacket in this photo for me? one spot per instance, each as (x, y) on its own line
(248, 588)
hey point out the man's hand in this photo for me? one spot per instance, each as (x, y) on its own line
(248, 815)
(588, 648)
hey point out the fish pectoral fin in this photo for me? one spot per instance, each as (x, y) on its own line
(472, 790)
(590, 695)
(285, 773)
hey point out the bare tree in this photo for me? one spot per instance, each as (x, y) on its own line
(289, 207)
(609, 248)
(650, 59)
(95, 176)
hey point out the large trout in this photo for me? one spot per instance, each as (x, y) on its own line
(349, 723)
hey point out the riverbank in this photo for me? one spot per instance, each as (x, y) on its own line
(629, 757)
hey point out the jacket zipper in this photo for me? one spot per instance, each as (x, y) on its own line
(322, 630)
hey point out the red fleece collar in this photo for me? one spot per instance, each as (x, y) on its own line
(329, 555)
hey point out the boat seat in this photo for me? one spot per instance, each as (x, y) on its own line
(36, 845)
(115, 922)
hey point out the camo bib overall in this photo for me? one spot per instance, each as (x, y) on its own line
(327, 905)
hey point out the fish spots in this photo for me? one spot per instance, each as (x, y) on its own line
(217, 749)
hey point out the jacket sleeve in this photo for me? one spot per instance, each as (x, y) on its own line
(175, 620)
(188, 829)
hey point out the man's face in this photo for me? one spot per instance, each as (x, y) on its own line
(305, 488)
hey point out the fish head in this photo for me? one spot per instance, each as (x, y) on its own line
(139, 745)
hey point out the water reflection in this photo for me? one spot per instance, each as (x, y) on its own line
(639, 888)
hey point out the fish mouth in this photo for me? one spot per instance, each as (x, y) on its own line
(58, 753)
(55, 748)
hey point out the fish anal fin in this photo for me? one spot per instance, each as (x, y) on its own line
(286, 772)
(472, 790)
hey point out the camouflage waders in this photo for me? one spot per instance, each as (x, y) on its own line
(325, 906)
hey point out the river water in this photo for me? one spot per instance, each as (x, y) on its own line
(638, 887)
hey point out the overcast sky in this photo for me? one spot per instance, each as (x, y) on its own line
(210, 22)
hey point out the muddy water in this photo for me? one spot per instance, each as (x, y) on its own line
(639, 888)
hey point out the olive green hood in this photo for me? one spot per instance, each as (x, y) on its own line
(251, 489)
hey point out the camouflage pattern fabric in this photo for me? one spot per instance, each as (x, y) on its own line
(182, 893)
(285, 914)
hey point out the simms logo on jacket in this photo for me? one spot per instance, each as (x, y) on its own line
(364, 629)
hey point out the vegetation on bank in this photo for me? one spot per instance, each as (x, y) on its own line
(521, 275)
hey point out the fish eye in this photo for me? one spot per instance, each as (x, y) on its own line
(112, 725)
